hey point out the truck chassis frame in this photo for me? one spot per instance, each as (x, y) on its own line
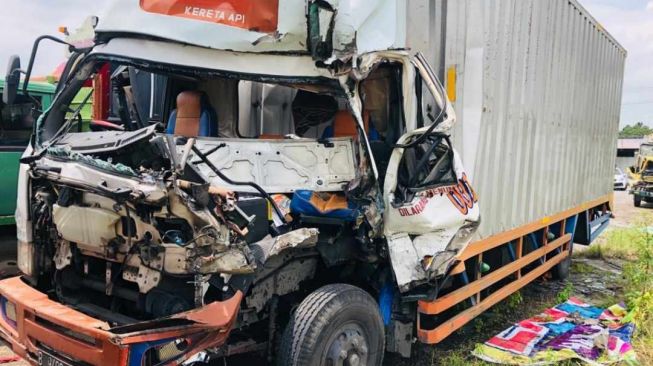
(580, 224)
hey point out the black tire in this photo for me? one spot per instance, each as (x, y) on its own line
(336, 323)
(561, 270)
(637, 200)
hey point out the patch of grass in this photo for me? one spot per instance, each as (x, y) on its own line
(565, 293)
(638, 287)
(607, 301)
(619, 243)
(456, 359)
(513, 301)
(582, 268)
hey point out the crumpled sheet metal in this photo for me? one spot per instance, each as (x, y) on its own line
(218, 315)
(208, 326)
(232, 261)
(300, 238)
(271, 246)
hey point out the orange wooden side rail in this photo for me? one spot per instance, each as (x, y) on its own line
(474, 289)
(449, 300)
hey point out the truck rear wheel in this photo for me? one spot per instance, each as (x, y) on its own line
(637, 200)
(561, 270)
(337, 324)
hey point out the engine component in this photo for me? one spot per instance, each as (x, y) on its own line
(91, 228)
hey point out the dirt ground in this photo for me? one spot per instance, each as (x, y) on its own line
(592, 280)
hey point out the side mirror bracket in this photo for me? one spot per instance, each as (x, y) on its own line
(12, 80)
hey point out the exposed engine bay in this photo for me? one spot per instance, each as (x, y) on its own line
(261, 192)
(140, 226)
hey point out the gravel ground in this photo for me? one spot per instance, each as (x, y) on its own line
(592, 282)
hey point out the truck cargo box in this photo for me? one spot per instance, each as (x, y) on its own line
(537, 90)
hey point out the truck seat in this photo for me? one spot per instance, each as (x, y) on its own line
(194, 116)
(344, 125)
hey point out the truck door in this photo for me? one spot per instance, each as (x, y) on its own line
(431, 209)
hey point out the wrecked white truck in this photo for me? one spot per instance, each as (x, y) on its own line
(285, 184)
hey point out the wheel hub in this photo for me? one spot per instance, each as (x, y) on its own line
(348, 348)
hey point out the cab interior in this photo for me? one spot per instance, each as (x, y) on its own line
(207, 104)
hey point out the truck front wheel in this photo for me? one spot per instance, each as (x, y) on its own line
(637, 200)
(337, 324)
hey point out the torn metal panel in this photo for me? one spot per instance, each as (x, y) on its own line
(269, 247)
(300, 238)
(79, 174)
(207, 327)
(68, 154)
(105, 141)
(296, 67)
(442, 220)
(281, 166)
(360, 27)
(231, 261)
(406, 262)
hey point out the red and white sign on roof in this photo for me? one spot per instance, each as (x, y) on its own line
(254, 15)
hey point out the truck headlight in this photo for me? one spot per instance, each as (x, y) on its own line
(26, 257)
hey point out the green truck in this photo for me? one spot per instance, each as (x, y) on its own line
(16, 123)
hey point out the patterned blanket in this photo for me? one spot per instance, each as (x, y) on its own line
(571, 330)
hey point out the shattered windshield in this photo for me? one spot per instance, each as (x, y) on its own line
(127, 98)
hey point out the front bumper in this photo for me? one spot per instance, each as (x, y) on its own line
(646, 193)
(43, 324)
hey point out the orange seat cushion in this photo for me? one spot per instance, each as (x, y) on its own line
(344, 124)
(189, 111)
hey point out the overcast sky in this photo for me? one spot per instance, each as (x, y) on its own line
(629, 21)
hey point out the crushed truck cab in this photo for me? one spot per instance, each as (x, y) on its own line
(229, 168)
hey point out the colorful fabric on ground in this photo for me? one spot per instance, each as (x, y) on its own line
(625, 332)
(571, 330)
(581, 339)
(575, 306)
(519, 339)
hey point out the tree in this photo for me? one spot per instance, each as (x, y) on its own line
(638, 130)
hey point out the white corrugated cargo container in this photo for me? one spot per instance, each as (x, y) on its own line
(537, 90)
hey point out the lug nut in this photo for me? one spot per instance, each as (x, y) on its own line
(354, 360)
(355, 342)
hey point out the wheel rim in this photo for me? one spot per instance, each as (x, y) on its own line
(347, 347)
